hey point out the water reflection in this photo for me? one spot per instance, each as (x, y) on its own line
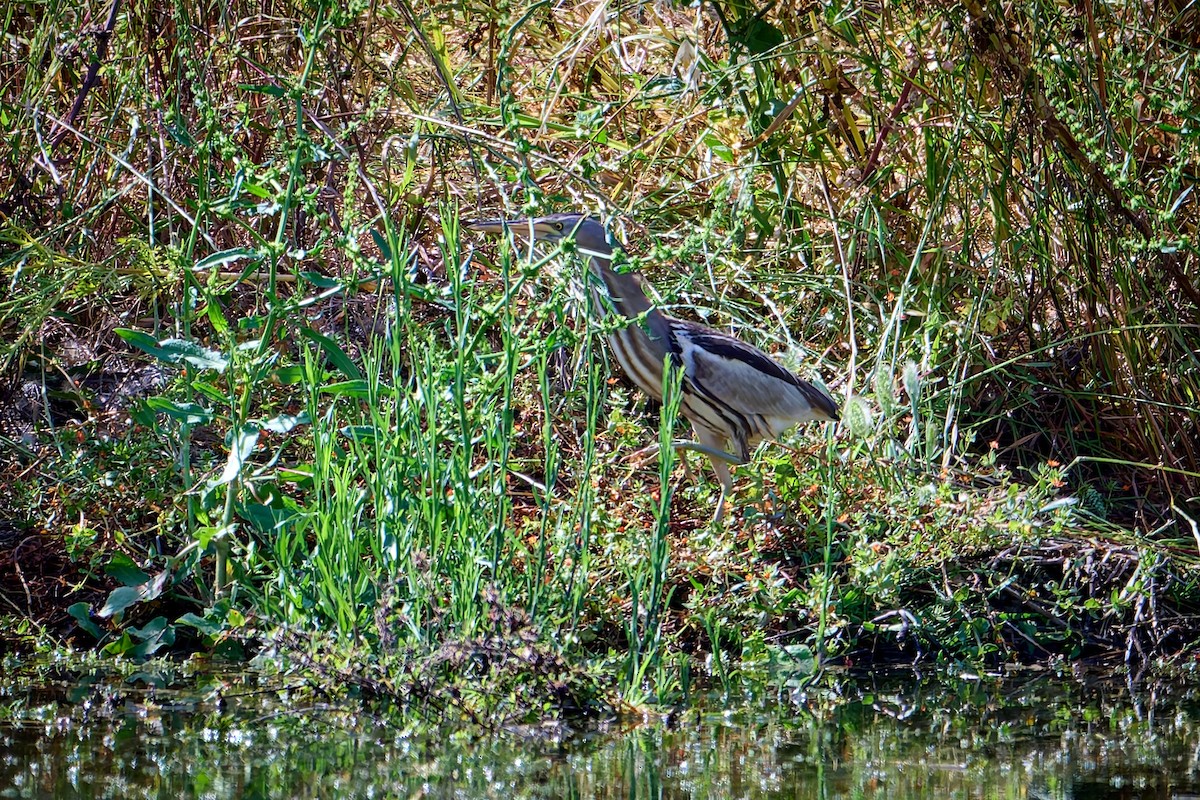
(237, 735)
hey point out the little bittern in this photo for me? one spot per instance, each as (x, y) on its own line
(734, 394)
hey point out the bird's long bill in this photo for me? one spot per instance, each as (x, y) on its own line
(524, 228)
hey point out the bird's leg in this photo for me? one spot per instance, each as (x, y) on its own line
(714, 452)
(720, 462)
(722, 470)
(710, 444)
(687, 468)
(646, 453)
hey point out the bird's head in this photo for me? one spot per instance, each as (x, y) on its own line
(587, 232)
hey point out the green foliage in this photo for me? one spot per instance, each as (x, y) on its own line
(979, 231)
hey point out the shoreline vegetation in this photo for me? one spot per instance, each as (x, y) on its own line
(263, 397)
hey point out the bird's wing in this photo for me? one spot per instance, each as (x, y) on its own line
(746, 378)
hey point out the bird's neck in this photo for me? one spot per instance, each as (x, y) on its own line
(624, 289)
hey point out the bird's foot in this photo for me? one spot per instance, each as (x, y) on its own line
(640, 458)
(643, 456)
(719, 513)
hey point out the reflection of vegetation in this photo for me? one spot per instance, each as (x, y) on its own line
(401, 458)
(892, 737)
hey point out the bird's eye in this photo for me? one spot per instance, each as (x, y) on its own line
(558, 227)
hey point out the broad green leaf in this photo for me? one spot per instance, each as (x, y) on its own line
(202, 624)
(155, 635)
(199, 357)
(385, 250)
(662, 86)
(213, 311)
(289, 375)
(211, 392)
(343, 362)
(187, 413)
(125, 570)
(119, 647)
(912, 382)
(140, 340)
(152, 628)
(320, 281)
(268, 518)
(119, 600)
(769, 109)
(719, 148)
(793, 659)
(759, 36)
(244, 441)
(82, 614)
(299, 474)
(174, 351)
(284, 423)
(206, 534)
(122, 598)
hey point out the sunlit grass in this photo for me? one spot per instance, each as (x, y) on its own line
(390, 434)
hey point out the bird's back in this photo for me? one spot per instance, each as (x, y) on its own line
(755, 382)
(731, 388)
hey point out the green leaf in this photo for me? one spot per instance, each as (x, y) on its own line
(211, 392)
(263, 518)
(289, 376)
(126, 596)
(793, 660)
(759, 36)
(174, 351)
(271, 510)
(284, 423)
(385, 250)
(187, 413)
(206, 534)
(142, 341)
(155, 635)
(152, 628)
(343, 362)
(662, 86)
(125, 570)
(911, 378)
(320, 281)
(82, 614)
(119, 600)
(347, 389)
(119, 647)
(202, 624)
(225, 258)
(244, 441)
(360, 433)
(719, 148)
(191, 352)
(213, 311)
(769, 110)
(301, 475)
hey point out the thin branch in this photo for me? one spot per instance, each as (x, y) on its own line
(92, 79)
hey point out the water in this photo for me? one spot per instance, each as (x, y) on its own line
(66, 734)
